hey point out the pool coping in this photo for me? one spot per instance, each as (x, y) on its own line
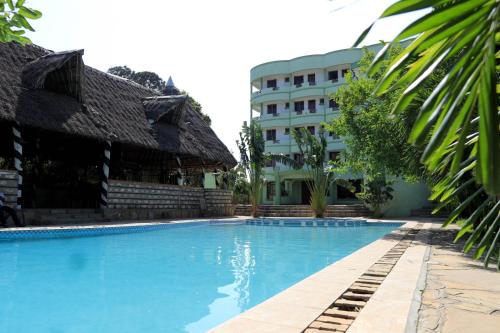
(293, 309)
(134, 223)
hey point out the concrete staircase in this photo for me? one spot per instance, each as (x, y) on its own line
(53, 217)
(243, 210)
(348, 210)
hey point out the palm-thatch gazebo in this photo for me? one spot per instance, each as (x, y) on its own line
(76, 137)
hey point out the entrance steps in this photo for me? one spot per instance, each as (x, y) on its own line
(347, 210)
(52, 217)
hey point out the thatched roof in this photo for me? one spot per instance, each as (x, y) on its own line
(57, 92)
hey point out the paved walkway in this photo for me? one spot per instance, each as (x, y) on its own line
(459, 295)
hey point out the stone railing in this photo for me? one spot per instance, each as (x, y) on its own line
(8, 185)
(148, 200)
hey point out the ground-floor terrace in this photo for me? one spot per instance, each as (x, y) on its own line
(54, 178)
(415, 279)
(289, 187)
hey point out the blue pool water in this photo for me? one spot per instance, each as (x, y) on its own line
(177, 279)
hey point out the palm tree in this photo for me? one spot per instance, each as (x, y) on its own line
(253, 159)
(252, 151)
(459, 122)
(320, 176)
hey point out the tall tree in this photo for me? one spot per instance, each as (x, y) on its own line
(14, 16)
(458, 125)
(121, 71)
(313, 151)
(377, 143)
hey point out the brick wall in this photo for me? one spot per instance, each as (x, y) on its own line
(8, 185)
(136, 200)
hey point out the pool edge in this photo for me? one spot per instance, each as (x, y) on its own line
(292, 310)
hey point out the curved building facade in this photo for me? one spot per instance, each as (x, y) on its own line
(295, 93)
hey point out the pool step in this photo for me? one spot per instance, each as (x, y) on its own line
(351, 210)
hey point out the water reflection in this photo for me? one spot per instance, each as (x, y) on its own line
(237, 294)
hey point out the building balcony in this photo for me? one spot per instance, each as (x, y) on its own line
(272, 96)
(266, 91)
(307, 117)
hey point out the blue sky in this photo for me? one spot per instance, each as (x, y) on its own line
(207, 46)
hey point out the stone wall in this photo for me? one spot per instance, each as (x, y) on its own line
(8, 185)
(136, 200)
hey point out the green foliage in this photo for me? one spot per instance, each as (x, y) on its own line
(153, 81)
(377, 142)
(237, 183)
(376, 192)
(197, 107)
(252, 160)
(14, 22)
(320, 176)
(458, 124)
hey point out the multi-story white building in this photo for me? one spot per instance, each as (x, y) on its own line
(290, 94)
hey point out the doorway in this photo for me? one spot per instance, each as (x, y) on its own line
(306, 193)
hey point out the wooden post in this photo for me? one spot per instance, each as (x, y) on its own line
(105, 174)
(180, 179)
(18, 164)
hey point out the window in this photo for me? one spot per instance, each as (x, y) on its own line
(298, 131)
(271, 109)
(271, 135)
(333, 104)
(287, 80)
(270, 190)
(287, 131)
(298, 80)
(344, 72)
(272, 83)
(333, 155)
(311, 129)
(298, 158)
(299, 106)
(270, 163)
(311, 105)
(333, 76)
(287, 105)
(321, 101)
(311, 78)
(333, 135)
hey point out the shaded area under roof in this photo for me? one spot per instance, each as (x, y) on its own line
(110, 108)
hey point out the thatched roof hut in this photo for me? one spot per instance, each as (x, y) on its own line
(56, 92)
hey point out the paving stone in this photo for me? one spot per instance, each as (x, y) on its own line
(335, 320)
(355, 296)
(328, 326)
(349, 303)
(368, 281)
(459, 296)
(361, 289)
(341, 313)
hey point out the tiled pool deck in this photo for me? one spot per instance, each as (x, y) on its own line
(431, 288)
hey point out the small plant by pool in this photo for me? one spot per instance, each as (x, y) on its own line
(185, 277)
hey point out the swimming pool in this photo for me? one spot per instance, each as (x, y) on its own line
(186, 277)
